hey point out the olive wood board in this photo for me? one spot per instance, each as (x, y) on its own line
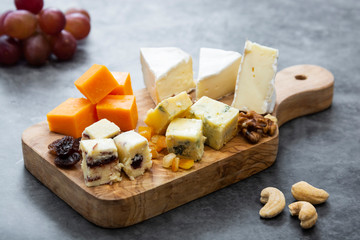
(300, 90)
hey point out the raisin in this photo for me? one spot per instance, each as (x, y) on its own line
(52, 146)
(137, 161)
(62, 147)
(67, 151)
(76, 144)
(67, 161)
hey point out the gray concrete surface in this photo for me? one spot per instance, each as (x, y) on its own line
(322, 148)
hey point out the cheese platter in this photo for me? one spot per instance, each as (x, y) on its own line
(300, 90)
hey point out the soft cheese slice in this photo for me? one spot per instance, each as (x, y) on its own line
(167, 71)
(218, 70)
(168, 109)
(219, 120)
(184, 137)
(134, 153)
(255, 82)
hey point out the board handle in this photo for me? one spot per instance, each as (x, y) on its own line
(302, 90)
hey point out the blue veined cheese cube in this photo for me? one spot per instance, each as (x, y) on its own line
(101, 129)
(168, 109)
(100, 162)
(219, 119)
(134, 153)
(184, 137)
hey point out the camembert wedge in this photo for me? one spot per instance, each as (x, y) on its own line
(218, 70)
(167, 71)
(256, 78)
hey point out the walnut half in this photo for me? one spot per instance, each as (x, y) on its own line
(253, 126)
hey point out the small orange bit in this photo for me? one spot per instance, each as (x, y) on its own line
(159, 141)
(145, 132)
(154, 153)
(175, 164)
(186, 163)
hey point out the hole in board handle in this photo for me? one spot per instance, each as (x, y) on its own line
(300, 77)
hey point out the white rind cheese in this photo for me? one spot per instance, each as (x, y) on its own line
(184, 137)
(218, 70)
(167, 71)
(134, 153)
(255, 88)
(220, 121)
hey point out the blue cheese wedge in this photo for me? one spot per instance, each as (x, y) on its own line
(168, 109)
(219, 120)
(218, 70)
(101, 129)
(167, 71)
(134, 153)
(100, 162)
(184, 137)
(255, 89)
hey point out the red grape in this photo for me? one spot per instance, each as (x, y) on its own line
(10, 51)
(20, 24)
(64, 45)
(78, 10)
(36, 49)
(78, 25)
(52, 21)
(2, 18)
(33, 6)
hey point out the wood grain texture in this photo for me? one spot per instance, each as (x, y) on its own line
(160, 190)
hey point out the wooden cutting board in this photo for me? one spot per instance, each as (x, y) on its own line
(300, 90)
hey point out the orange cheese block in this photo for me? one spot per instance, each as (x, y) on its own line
(124, 81)
(96, 83)
(119, 109)
(72, 117)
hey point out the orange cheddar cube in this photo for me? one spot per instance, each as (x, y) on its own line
(96, 83)
(72, 117)
(119, 109)
(124, 84)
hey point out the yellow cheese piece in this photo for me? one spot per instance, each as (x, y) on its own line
(168, 109)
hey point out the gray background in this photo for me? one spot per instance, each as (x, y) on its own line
(322, 148)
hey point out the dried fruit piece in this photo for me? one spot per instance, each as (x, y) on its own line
(186, 163)
(175, 164)
(137, 161)
(159, 141)
(67, 161)
(62, 147)
(145, 132)
(67, 151)
(168, 160)
(154, 153)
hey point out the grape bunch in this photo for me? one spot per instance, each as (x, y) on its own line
(35, 33)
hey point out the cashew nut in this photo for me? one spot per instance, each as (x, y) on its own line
(274, 201)
(303, 191)
(306, 211)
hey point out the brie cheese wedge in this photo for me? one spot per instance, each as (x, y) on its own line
(167, 71)
(255, 88)
(218, 70)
